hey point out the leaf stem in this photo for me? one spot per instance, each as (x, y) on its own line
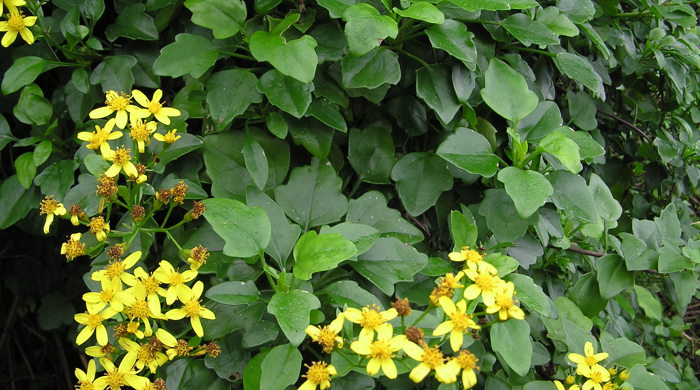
(531, 50)
(430, 307)
(239, 56)
(416, 58)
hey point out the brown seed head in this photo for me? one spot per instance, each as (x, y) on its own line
(198, 209)
(179, 192)
(106, 186)
(414, 334)
(115, 252)
(137, 213)
(402, 306)
(213, 349)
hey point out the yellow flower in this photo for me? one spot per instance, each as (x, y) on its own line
(98, 138)
(86, 379)
(318, 374)
(168, 138)
(100, 350)
(92, 319)
(610, 386)
(115, 102)
(451, 281)
(117, 270)
(596, 375)
(147, 287)
(472, 257)
(459, 322)
(430, 358)
(17, 24)
(11, 4)
(193, 309)
(504, 303)
(124, 375)
(467, 363)
(370, 318)
(121, 160)
(51, 208)
(560, 386)
(327, 335)
(154, 106)
(380, 351)
(99, 227)
(624, 375)
(73, 247)
(111, 294)
(141, 132)
(140, 311)
(166, 273)
(486, 282)
(145, 354)
(589, 361)
(166, 338)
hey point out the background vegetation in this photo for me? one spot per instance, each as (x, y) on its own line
(562, 134)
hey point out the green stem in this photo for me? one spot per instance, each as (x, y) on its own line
(170, 236)
(630, 14)
(430, 307)
(502, 161)
(530, 50)
(482, 21)
(167, 215)
(267, 274)
(239, 56)
(416, 58)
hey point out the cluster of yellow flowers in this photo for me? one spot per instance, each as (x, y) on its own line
(590, 375)
(16, 23)
(130, 298)
(379, 342)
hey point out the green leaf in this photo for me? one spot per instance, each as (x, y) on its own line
(572, 195)
(581, 70)
(586, 292)
(641, 379)
(506, 92)
(42, 152)
(528, 189)
(16, 201)
(564, 149)
(568, 310)
(328, 113)
(280, 368)
(115, 73)
(229, 94)
(545, 119)
(234, 293)
(363, 236)
(582, 110)
(493, 5)
(388, 262)
(529, 31)
(286, 234)
(371, 153)
(623, 351)
(312, 134)
(348, 293)
(452, 36)
(669, 226)
(613, 277)
(463, 230)
(501, 216)
(365, 28)
(134, 23)
(588, 147)
(608, 207)
(315, 252)
(579, 11)
(422, 11)
(312, 195)
(665, 370)
(469, 150)
(276, 124)
(193, 374)
(5, 134)
(255, 162)
(184, 145)
(336, 7)
(25, 168)
(637, 256)
(649, 303)
(371, 209)
(23, 72)
(434, 86)
(224, 17)
(530, 294)
(371, 70)
(296, 58)
(420, 179)
(246, 230)
(288, 94)
(292, 310)
(557, 22)
(189, 54)
(56, 179)
(511, 340)
(32, 107)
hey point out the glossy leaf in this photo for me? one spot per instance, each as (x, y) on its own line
(469, 150)
(290, 95)
(365, 28)
(189, 54)
(528, 189)
(507, 93)
(246, 230)
(292, 310)
(511, 340)
(224, 17)
(296, 58)
(420, 179)
(315, 252)
(389, 262)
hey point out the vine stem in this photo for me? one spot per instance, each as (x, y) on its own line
(430, 307)
(416, 58)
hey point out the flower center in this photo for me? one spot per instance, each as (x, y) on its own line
(318, 373)
(48, 206)
(115, 379)
(504, 301)
(139, 131)
(94, 320)
(460, 320)
(154, 106)
(117, 101)
(380, 350)
(15, 23)
(432, 357)
(122, 156)
(145, 354)
(115, 269)
(485, 282)
(106, 295)
(192, 308)
(139, 309)
(473, 256)
(97, 224)
(176, 278)
(596, 377)
(85, 385)
(326, 337)
(74, 248)
(467, 360)
(371, 319)
(150, 284)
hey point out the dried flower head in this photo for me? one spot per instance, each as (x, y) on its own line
(137, 213)
(179, 192)
(198, 209)
(402, 307)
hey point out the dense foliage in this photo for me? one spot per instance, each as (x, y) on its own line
(497, 194)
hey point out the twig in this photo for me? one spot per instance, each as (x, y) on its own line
(585, 251)
(626, 123)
